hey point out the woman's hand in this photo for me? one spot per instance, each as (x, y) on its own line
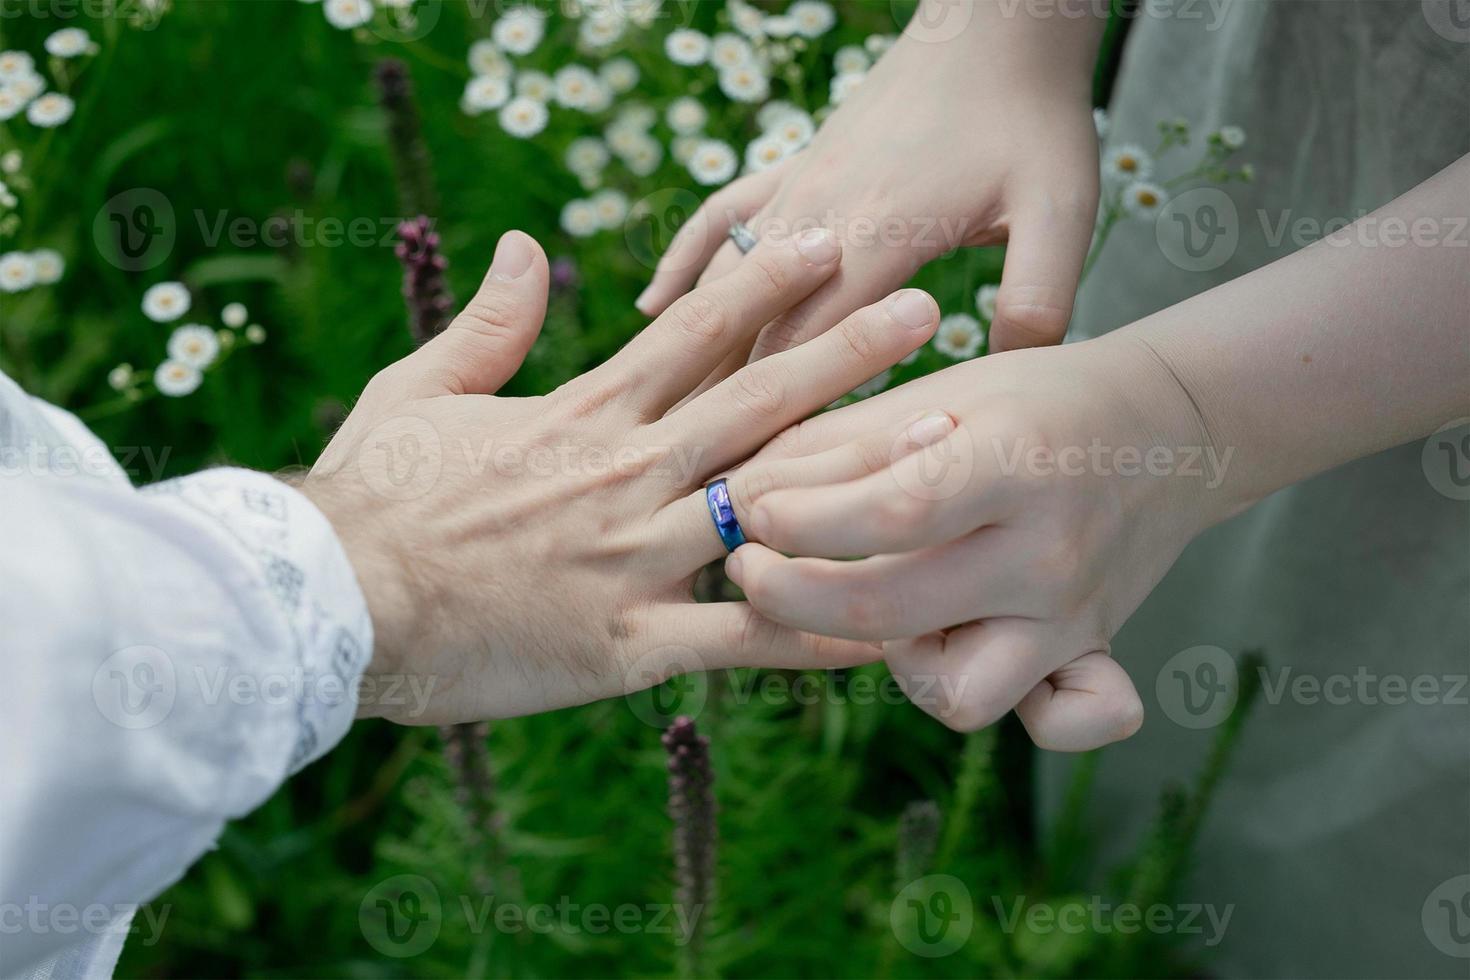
(1008, 552)
(977, 139)
(526, 554)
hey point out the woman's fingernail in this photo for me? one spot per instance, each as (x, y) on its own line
(818, 245)
(642, 300)
(732, 566)
(912, 307)
(930, 429)
(513, 256)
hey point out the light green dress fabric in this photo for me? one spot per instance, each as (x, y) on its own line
(1341, 828)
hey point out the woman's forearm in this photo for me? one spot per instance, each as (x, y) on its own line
(1356, 344)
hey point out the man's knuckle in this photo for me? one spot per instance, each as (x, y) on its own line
(858, 345)
(771, 273)
(699, 318)
(759, 393)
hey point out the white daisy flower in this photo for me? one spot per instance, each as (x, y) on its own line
(795, 129)
(576, 86)
(17, 272)
(345, 15)
(844, 85)
(599, 99)
(636, 115)
(11, 103)
(1143, 199)
(770, 113)
(686, 115)
(851, 59)
(14, 64)
(1127, 162)
(12, 162)
(877, 45)
(687, 47)
(50, 110)
(611, 207)
(713, 162)
(485, 92)
(234, 315)
(27, 86)
(684, 147)
(620, 75)
(813, 17)
(959, 336)
(985, 301)
(748, 19)
(587, 155)
(120, 377)
(69, 42)
(603, 28)
(623, 138)
(177, 379)
(519, 31)
(1232, 137)
(747, 83)
(535, 85)
(644, 156)
(873, 385)
(779, 26)
(523, 117)
(1101, 123)
(579, 219)
(765, 152)
(166, 302)
(487, 59)
(49, 265)
(730, 51)
(193, 345)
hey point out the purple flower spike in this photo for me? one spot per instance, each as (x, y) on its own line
(425, 292)
(692, 807)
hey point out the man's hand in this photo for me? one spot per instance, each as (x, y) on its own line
(527, 554)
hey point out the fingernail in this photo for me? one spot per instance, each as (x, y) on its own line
(912, 307)
(732, 566)
(818, 245)
(642, 300)
(512, 256)
(930, 429)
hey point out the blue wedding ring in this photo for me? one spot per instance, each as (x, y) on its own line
(717, 495)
